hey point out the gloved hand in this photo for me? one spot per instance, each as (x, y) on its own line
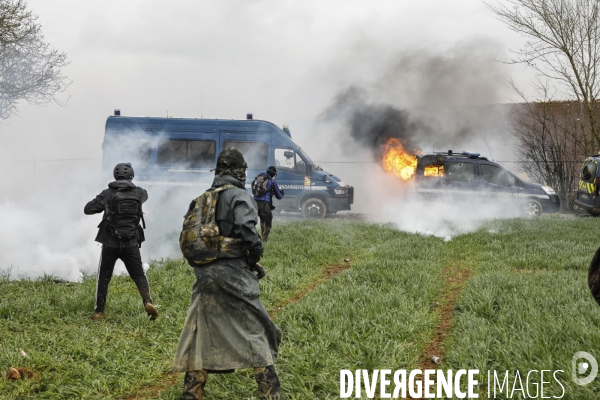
(254, 257)
(282, 192)
(260, 271)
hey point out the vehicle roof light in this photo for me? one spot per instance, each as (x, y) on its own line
(470, 155)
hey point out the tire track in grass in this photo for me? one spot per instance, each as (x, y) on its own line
(455, 279)
(172, 378)
(328, 273)
(150, 392)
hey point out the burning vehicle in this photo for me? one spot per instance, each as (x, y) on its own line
(469, 177)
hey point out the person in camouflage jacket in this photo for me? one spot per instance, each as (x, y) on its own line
(227, 327)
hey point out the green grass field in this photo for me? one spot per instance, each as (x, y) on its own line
(526, 306)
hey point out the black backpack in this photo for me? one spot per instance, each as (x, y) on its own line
(124, 214)
(259, 185)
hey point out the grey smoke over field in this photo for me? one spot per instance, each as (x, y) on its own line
(45, 232)
(425, 99)
(428, 100)
(371, 124)
(279, 60)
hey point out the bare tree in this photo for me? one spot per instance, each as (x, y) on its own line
(563, 45)
(550, 141)
(30, 69)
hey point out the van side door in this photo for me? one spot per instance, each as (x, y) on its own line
(497, 182)
(292, 173)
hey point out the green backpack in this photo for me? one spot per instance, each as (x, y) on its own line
(200, 240)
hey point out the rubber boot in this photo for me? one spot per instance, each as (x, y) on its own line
(193, 384)
(268, 383)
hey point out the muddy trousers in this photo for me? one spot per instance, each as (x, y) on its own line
(132, 259)
(266, 378)
(266, 218)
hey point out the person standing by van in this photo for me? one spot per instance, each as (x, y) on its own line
(264, 187)
(121, 236)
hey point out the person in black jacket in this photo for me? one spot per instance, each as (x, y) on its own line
(265, 202)
(121, 236)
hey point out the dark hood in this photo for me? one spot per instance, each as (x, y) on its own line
(121, 184)
(221, 180)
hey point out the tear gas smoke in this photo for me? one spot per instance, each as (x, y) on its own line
(373, 124)
(426, 101)
(44, 230)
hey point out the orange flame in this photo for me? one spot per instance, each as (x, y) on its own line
(397, 161)
(434, 170)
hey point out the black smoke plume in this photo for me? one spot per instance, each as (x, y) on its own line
(427, 100)
(372, 124)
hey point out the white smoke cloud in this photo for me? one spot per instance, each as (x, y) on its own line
(384, 198)
(46, 231)
(442, 217)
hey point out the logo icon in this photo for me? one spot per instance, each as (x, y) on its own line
(582, 367)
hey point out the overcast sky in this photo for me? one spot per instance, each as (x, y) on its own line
(284, 61)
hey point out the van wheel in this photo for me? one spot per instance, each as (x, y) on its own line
(532, 208)
(314, 208)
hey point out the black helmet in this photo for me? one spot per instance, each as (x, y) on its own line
(231, 158)
(272, 171)
(123, 170)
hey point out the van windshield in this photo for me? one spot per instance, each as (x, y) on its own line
(307, 158)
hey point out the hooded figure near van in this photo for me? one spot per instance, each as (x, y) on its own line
(264, 188)
(227, 326)
(121, 236)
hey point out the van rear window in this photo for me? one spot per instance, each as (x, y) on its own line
(186, 154)
(588, 172)
(255, 153)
